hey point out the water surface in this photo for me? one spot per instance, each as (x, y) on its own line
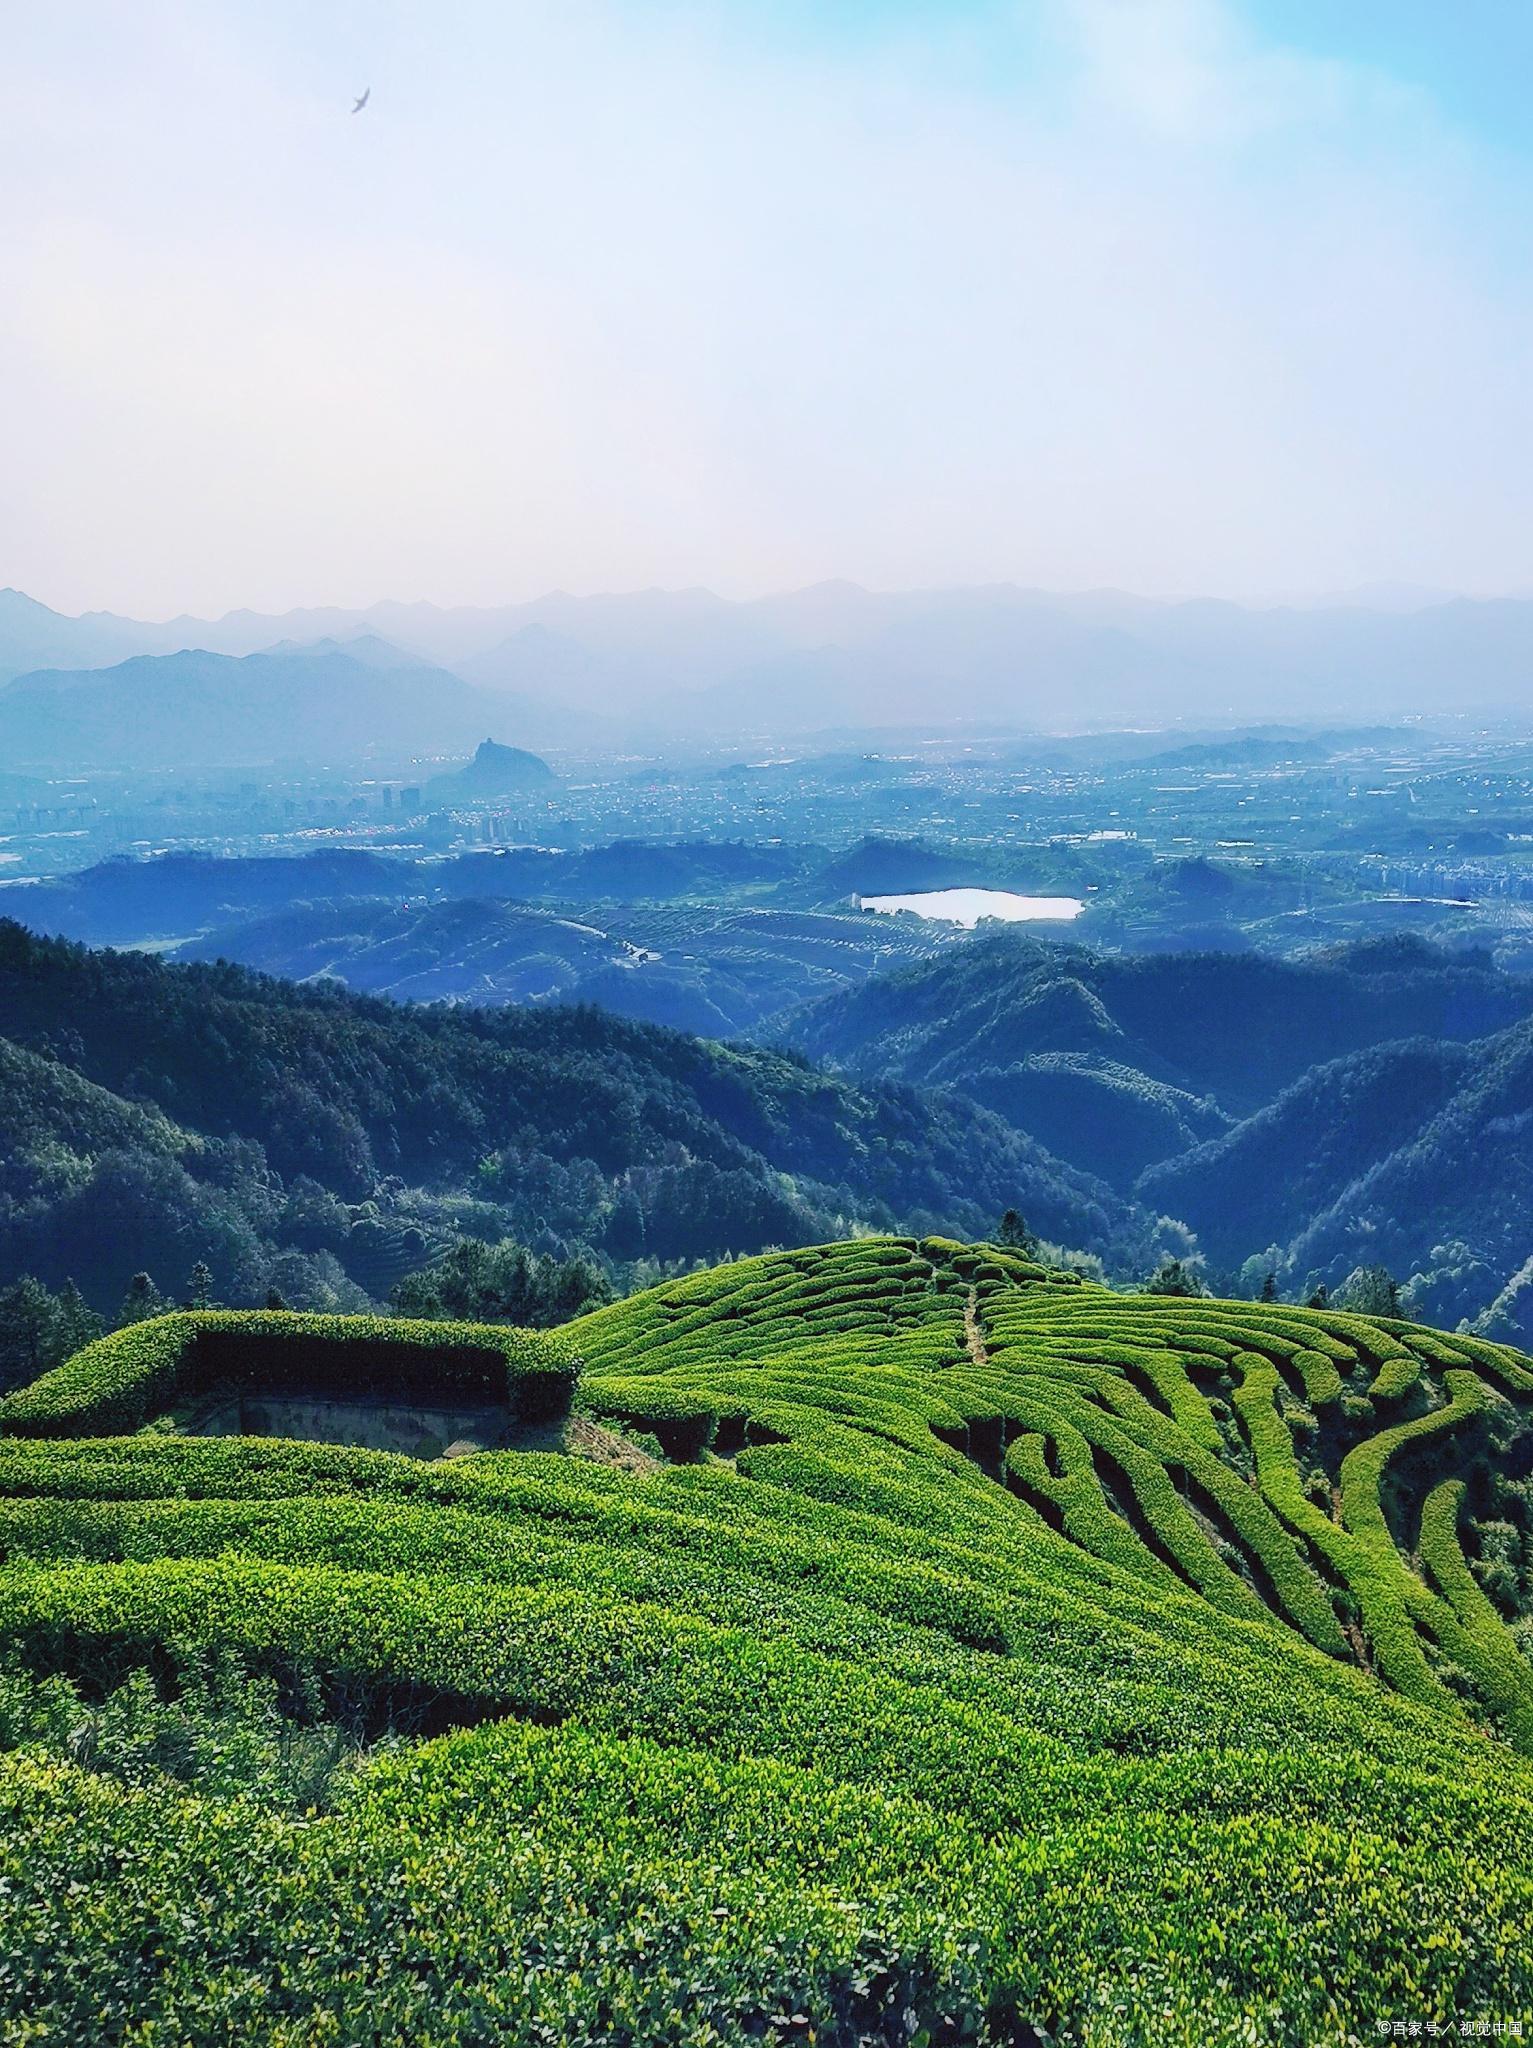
(968, 906)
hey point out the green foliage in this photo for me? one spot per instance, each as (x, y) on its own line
(502, 1283)
(1173, 1276)
(1370, 1291)
(223, 1731)
(40, 1329)
(126, 1379)
(997, 1659)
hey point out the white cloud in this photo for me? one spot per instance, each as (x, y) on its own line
(1189, 71)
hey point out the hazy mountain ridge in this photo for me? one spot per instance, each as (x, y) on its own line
(464, 950)
(805, 659)
(174, 895)
(195, 709)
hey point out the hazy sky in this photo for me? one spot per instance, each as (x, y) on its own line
(1179, 295)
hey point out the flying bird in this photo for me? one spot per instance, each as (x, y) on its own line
(361, 103)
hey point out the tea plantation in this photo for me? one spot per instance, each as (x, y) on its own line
(949, 1650)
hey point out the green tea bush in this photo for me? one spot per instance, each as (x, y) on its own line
(982, 1666)
(121, 1381)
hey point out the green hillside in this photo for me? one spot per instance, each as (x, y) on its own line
(1267, 1178)
(1369, 1105)
(1238, 1028)
(907, 1645)
(323, 1142)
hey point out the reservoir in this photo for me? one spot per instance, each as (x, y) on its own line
(968, 906)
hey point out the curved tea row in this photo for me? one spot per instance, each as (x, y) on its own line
(967, 1653)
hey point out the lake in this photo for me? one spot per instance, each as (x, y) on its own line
(968, 906)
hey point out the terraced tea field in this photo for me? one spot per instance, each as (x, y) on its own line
(966, 1653)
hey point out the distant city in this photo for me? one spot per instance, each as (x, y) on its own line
(1303, 834)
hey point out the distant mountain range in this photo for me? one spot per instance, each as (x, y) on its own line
(723, 973)
(124, 902)
(691, 662)
(197, 709)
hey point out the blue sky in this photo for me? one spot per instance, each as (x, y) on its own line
(1225, 296)
(1472, 57)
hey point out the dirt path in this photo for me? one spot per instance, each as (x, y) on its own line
(587, 1439)
(974, 1336)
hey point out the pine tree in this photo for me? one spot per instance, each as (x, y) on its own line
(77, 1322)
(28, 1331)
(1014, 1235)
(199, 1286)
(1269, 1287)
(1173, 1276)
(142, 1300)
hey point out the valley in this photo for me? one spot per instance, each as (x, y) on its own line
(766, 1025)
(1282, 1041)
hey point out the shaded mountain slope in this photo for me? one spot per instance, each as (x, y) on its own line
(1108, 1118)
(1464, 1174)
(1238, 1028)
(1265, 1181)
(1417, 1156)
(568, 1123)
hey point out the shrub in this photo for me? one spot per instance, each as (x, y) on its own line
(1027, 1688)
(120, 1382)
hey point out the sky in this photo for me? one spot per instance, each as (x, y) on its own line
(1223, 297)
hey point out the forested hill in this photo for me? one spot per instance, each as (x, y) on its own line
(324, 1139)
(1369, 1106)
(1416, 1155)
(1234, 1027)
